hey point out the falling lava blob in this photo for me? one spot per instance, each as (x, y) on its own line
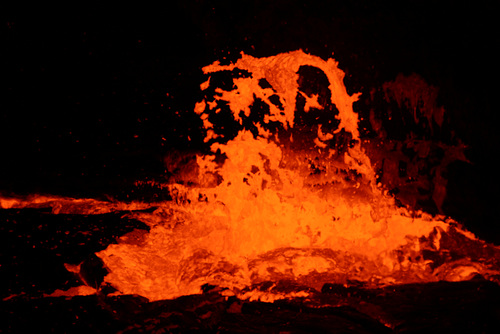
(286, 192)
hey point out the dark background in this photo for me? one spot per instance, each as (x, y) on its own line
(95, 97)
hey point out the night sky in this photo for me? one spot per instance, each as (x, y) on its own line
(94, 98)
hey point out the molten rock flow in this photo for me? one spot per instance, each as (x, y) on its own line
(258, 210)
(281, 199)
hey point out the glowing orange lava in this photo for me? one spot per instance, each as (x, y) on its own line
(261, 214)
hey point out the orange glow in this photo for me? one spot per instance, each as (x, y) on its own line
(65, 205)
(266, 213)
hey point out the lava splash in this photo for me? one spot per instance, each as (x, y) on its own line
(287, 191)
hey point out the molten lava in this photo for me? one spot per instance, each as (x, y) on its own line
(280, 199)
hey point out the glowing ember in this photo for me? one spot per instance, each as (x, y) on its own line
(278, 201)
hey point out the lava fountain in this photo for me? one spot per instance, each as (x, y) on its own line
(286, 192)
